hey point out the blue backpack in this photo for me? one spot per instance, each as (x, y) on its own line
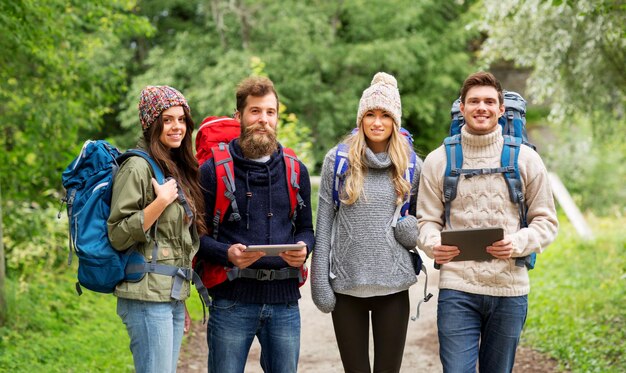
(88, 181)
(513, 124)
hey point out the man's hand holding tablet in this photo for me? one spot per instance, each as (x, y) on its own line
(275, 250)
(293, 254)
(470, 244)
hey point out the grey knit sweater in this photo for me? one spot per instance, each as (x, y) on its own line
(357, 251)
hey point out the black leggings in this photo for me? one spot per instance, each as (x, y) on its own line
(390, 318)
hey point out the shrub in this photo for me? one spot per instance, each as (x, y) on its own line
(34, 238)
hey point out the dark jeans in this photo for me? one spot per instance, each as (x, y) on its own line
(232, 327)
(351, 320)
(479, 327)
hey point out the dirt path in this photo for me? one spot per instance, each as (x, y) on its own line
(319, 353)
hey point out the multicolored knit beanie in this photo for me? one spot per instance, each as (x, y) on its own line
(156, 99)
(382, 94)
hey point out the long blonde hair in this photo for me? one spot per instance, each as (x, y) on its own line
(398, 149)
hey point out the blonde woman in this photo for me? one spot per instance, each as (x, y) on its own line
(361, 265)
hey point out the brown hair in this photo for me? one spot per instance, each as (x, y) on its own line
(257, 86)
(481, 78)
(179, 163)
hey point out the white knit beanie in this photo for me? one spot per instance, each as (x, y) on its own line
(382, 94)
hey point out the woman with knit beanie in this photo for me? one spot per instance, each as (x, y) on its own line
(361, 262)
(152, 218)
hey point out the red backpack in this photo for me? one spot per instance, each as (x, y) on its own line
(212, 142)
(213, 131)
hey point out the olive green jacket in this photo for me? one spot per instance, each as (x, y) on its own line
(177, 241)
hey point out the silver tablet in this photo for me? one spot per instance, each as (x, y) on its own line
(274, 250)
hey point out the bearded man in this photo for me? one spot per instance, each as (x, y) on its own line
(256, 305)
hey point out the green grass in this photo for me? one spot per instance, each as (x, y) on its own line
(51, 329)
(577, 310)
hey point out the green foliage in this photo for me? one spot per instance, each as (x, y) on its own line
(64, 68)
(321, 56)
(577, 52)
(51, 329)
(578, 299)
(294, 135)
(35, 240)
(315, 189)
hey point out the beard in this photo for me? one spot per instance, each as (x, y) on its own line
(256, 145)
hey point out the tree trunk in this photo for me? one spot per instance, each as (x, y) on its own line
(3, 304)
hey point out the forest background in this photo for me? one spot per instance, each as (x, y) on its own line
(72, 71)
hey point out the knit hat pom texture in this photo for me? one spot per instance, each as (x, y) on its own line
(382, 94)
(384, 78)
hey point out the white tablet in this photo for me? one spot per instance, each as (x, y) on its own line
(274, 250)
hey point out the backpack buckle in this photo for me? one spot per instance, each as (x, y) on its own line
(473, 173)
(265, 274)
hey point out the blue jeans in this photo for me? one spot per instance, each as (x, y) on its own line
(475, 327)
(156, 332)
(232, 327)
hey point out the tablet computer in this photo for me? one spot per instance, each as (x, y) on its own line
(274, 250)
(472, 242)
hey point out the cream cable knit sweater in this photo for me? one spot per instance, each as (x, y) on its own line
(483, 201)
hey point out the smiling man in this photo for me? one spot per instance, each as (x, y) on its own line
(262, 299)
(483, 304)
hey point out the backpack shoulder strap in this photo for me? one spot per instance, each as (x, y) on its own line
(292, 172)
(401, 210)
(158, 175)
(341, 166)
(408, 175)
(509, 159)
(225, 188)
(454, 164)
(410, 171)
(156, 169)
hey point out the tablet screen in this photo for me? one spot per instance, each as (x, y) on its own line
(472, 242)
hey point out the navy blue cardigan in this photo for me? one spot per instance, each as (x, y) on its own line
(268, 184)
